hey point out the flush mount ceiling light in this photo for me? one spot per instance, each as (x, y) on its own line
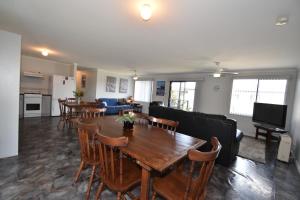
(45, 52)
(146, 11)
(217, 75)
(135, 77)
(281, 21)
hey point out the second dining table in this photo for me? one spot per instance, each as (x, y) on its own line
(153, 148)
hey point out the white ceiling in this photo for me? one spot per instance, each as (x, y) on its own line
(182, 35)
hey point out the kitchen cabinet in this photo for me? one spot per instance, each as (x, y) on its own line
(46, 105)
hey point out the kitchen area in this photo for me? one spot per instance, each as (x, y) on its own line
(42, 82)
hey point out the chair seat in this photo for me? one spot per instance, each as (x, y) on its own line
(131, 177)
(173, 185)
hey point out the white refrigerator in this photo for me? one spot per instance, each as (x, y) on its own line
(61, 87)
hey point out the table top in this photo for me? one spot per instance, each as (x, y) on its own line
(152, 146)
(82, 104)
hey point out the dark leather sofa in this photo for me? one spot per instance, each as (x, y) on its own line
(205, 126)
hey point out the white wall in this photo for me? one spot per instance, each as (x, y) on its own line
(209, 100)
(295, 124)
(47, 67)
(10, 56)
(101, 85)
(90, 89)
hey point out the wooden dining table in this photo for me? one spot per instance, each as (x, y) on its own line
(78, 106)
(153, 148)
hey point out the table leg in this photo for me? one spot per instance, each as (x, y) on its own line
(145, 185)
(269, 135)
(256, 135)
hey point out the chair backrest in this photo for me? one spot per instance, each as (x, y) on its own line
(125, 111)
(141, 118)
(163, 123)
(62, 109)
(91, 113)
(111, 159)
(207, 160)
(71, 100)
(89, 148)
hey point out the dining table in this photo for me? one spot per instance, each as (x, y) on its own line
(78, 106)
(153, 148)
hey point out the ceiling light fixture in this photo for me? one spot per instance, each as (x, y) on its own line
(281, 21)
(217, 75)
(146, 11)
(45, 52)
(135, 77)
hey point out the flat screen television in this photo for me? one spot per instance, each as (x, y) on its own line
(270, 114)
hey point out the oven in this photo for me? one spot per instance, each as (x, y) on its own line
(32, 105)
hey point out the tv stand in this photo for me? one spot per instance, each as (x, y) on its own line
(268, 131)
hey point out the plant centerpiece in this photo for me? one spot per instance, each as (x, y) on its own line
(78, 94)
(127, 120)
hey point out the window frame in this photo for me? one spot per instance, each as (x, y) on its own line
(151, 91)
(170, 87)
(258, 79)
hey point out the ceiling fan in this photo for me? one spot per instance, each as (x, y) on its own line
(220, 71)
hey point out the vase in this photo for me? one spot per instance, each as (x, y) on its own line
(78, 100)
(128, 125)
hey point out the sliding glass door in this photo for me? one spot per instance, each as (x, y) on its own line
(182, 95)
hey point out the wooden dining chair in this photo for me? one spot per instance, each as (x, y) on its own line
(63, 114)
(125, 111)
(163, 123)
(177, 185)
(141, 118)
(90, 113)
(72, 100)
(89, 151)
(117, 172)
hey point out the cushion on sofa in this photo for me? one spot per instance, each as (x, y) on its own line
(110, 101)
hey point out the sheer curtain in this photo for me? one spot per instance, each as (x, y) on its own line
(243, 96)
(247, 91)
(272, 91)
(143, 91)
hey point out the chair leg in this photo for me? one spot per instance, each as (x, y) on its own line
(79, 171)
(99, 191)
(153, 195)
(90, 182)
(119, 196)
(59, 123)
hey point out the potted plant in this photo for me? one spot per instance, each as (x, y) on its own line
(78, 94)
(127, 120)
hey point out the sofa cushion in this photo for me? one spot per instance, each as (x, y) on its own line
(110, 101)
(102, 104)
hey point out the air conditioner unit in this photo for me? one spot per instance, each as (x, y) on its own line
(284, 148)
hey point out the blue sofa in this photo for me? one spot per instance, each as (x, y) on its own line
(112, 105)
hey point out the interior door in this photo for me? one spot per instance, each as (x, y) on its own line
(182, 95)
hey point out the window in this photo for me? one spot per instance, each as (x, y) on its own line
(182, 95)
(143, 91)
(247, 91)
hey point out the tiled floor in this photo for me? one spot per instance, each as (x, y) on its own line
(49, 158)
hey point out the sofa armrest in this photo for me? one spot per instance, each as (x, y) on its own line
(239, 135)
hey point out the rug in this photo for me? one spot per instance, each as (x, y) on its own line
(253, 149)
